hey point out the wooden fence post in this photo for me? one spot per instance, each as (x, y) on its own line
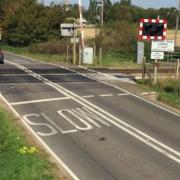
(177, 69)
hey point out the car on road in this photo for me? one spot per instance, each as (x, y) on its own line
(1, 57)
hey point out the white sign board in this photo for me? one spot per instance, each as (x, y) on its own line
(76, 40)
(67, 30)
(157, 55)
(163, 46)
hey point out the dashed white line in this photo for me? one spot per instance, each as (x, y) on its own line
(123, 94)
(105, 95)
(146, 93)
(143, 137)
(88, 96)
(39, 101)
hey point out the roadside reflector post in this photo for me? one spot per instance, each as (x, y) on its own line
(177, 69)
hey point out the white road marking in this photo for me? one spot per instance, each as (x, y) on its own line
(8, 75)
(121, 89)
(143, 137)
(105, 95)
(88, 96)
(52, 130)
(39, 101)
(72, 174)
(123, 94)
(144, 93)
(108, 75)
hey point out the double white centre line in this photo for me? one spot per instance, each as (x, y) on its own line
(136, 133)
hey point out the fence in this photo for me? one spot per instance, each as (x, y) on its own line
(172, 56)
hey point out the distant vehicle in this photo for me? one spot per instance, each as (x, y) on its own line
(1, 57)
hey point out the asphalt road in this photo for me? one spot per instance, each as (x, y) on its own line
(95, 130)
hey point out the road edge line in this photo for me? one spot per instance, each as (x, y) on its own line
(66, 168)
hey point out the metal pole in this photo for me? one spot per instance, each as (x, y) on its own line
(177, 23)
(74, 45)
(155, 72)
(81, 25)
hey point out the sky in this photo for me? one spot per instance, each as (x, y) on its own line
(143, 3)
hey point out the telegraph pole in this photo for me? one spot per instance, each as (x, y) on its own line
(81, 25)
(81, 50)
(177, 23)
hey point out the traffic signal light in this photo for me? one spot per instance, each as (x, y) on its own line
(154, 29)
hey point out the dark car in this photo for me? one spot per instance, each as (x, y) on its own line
(1, 57)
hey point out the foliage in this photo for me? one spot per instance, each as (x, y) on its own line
(119, 37)
(14, 163)
(170, 86)
(168, 91)
(27, 22)
(51, 47)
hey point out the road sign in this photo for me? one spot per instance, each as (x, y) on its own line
(152, 29)
(157, 55)
(99, 3)
(163, 46)
(67, 30)
(76, 40)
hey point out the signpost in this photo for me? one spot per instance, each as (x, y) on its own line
(67, 30)
(1, 29)
(163, 46)
(157, 55)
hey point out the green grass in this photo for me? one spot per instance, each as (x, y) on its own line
(117, 60)
(168, 90)
(24, 51)
(16, 165)
(113, 60)
(170, 99)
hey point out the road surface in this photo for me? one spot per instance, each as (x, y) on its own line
(95, 130)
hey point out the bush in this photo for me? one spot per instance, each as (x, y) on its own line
(51, 47)
(120, 37)
(170, 86)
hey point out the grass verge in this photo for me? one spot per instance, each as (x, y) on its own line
(39, 56)
(20, 160)
(113, 60)
(168, 91)
(170, 99)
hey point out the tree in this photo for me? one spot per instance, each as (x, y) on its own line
(126, 2)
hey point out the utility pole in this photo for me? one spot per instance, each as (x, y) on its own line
(82, 30)
(177, 23)
(74, 44)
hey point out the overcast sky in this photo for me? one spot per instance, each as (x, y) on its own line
(143, 3)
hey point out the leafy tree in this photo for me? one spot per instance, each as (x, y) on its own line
(126, 2)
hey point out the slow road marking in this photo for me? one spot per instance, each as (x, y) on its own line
(111, 119)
